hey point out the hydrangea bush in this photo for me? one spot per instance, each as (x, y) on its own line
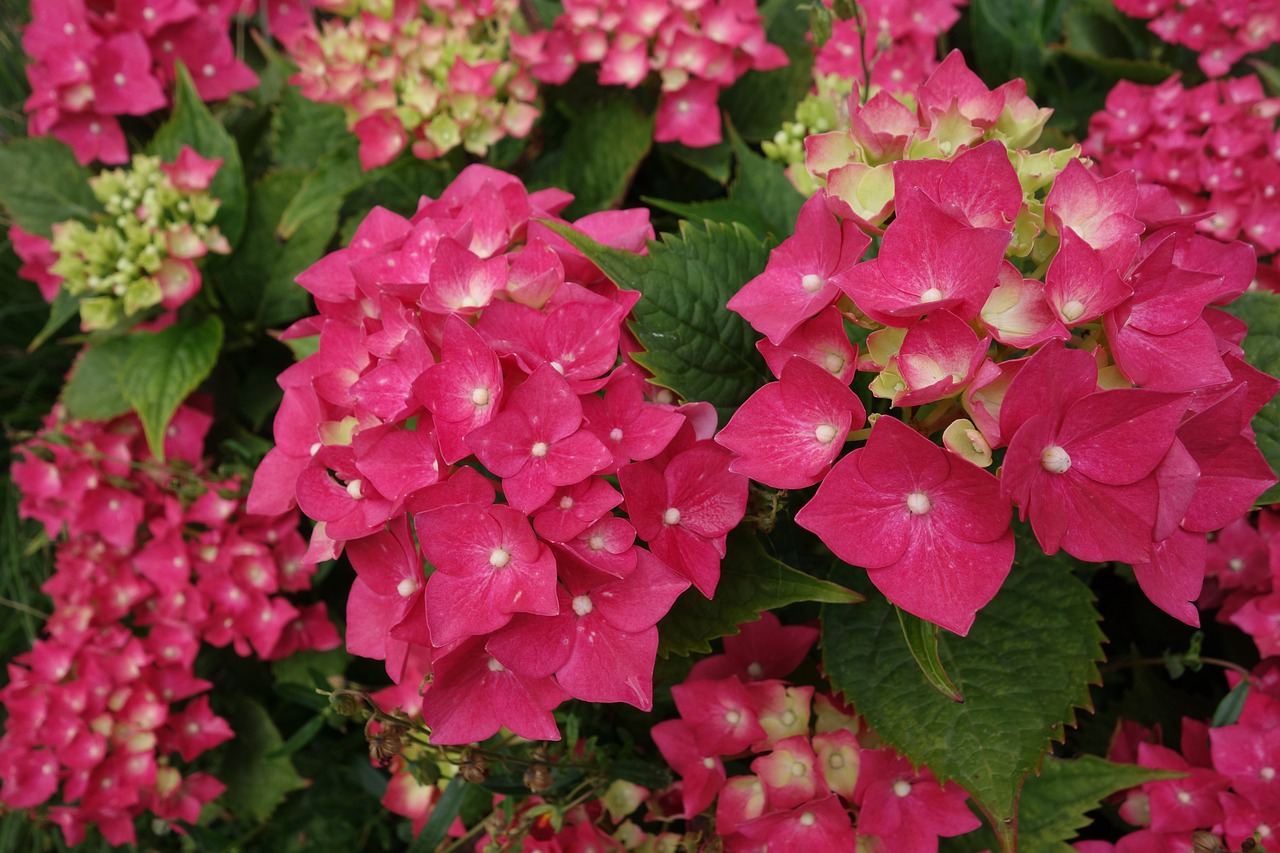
(654, 426)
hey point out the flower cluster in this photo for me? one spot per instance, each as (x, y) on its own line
(895, 43)
(1220, 32)
(468, 352)
(430, 76)
(93, 62)
(697, 47)
(1243, 573)
(168, 550)
(1214, 147)
(812, 762)
(1227, 784)
(158, 223)
(1024, 292)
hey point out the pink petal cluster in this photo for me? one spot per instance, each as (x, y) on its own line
(152, 561)
(1214, 147)
(813, 765)
(1228, 787)
(1021, 305)
(470, 408)
(897, 41)
(94, 62)
(697, 48)
(426, 76)
(1243, 578)
(1221, 32)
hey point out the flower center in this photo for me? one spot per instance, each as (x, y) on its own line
(825, 433)
(808, 819)
(1073, 310)
(406, 587)
(833, 363)
(582, 605)
(671, 516)
(596, 542)
(538, 450)
(918, 503)
(902, 788)
(733, 717)
(933, 294)
(480, 396)
(1055, 459)
(494, 666)
(499, 558)
(811, 283)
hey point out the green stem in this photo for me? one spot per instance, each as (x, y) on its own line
(18, 605)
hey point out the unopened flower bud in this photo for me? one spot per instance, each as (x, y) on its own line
(537, 778)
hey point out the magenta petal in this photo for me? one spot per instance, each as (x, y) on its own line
(1048, 383)
(944, 579)
(536, 646)
(711, 498)
(608, 665)
(1093, 521)
(1119, 436)
(642, 598)
(1174, 576)
(900, 460)
(862, 525)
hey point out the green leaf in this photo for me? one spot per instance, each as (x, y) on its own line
(96, 388)
(64, 307)
(192, 124)
(43, 184)
(692, 343)
(714, 161)
(760, 101)
(1261, 310)
(337, 174)
(1054, 804)
(1008, 40)
(751, 581)
(256, 783)
(303, 736)
(442, 815)
(1101, 37)
(1023, 669)
(718, 210)
(303, 131)
(1231, 706)
(259, 287)
(164, 368)
(763, 184)
(922, 640)
(1269, 74)
(603, 147)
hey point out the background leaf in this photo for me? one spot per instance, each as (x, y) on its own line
(259, 287)
(256, 783)
(750, 581)
(96, 388)
(763, 185)
(760, 101)
(44, 184)
(164, 368)
(1261, 310)
(692, 343)
(1023, 669)
(192, 124)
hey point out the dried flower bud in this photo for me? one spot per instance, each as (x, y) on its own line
(1205, 842)
(386, 744)
(473, 768)
(346, 704)
(537, 778)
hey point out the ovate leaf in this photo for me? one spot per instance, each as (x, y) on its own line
(922, 641)
(603, 147)
(192, 124)
(1261, 310)
(259, 287)
(761, 101)
(64, 307)
(1023, 669)
(164, 368)
(442, 815)
(95, 390)
(256, 782)
(1055, 803)
(329, 181)
(763, 184)
(751, 581)
(692, 343)
(42, 184)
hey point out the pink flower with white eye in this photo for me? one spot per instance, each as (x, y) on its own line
(931, 529)
(537, 442)
(788, 433)
(689, 115)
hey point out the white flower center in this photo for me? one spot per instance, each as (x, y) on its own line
(406, 587)
(353, 489)
(615, 434)
(812, 283)
(480, 396)
(918, 503)
(902, 788)
(733, 717)
(671, 516)
(582, 605)
(808, 819)
(596, 542)
(538, 450)
(1055, 459)
(833, 363)
(825, 433)
(1073, 310)
(494, 666)
(499, 558)
(933, 294)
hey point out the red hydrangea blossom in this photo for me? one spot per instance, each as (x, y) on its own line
(696, 47)
(97, 709)
(471, 376)
(1115, 407)
(897, 41)
(1220, 33)
(93, 62)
